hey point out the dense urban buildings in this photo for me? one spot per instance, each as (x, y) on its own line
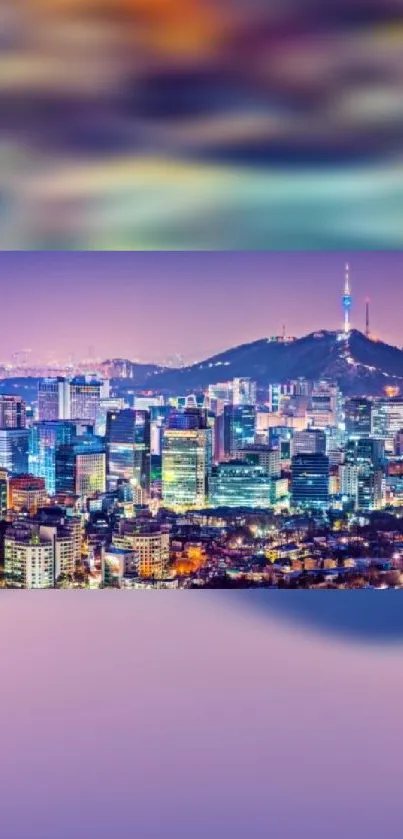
(232, 483)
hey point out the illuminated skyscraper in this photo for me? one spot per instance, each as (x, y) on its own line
(53, 399)
(45, 438)
(310, 480)
(239, 428)
(85, 398)
(363, 474)
(244, 392)
(12, 412)
(128, 447)
(81, 466)
(4, 482)
(347, 300)
(186, 465)
(240, 484)
(14, 450)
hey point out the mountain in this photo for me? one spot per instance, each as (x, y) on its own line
(360, 365)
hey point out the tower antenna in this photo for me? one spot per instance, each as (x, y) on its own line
(347, 300)
(367, 329)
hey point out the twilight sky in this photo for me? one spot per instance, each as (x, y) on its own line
(152, 305)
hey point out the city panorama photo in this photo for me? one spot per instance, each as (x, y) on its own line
(187, 420)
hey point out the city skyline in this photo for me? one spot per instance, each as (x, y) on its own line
(155, 306)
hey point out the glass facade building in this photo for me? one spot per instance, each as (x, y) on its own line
(45, 439)
(81, 466)
(186, 467)
(239, 428)
(310, 480)
(14, 450)
(128, 447)
(239, 484)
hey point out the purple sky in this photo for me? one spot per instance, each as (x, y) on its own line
(153, 305)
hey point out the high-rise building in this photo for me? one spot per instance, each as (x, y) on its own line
(239, 428)
(36, 555)
(4, 494)
(240, 484)
(363, 473)
(310, 480)
(14, 450)
(53, 399)
(81, 466)
(243, 392)
(310, 441)
(150, 543)
(85, 398)
(358, 417)
(45, 439)
(12, 412)
(324, 408)
(268, 457)
(186, 465)
(277, 393)
(128, 439)
(67, 521)
(26, 492)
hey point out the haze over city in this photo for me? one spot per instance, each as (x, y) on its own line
(156, 306)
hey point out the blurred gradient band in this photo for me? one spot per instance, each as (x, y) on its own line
(168, 124)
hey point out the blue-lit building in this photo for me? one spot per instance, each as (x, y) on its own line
(310, 480)
(14, 444)
(46, 437)
(81, 466)
(128, 442)
(239, 428)
(240, 484)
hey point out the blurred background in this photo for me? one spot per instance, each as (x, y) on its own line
(220, 124)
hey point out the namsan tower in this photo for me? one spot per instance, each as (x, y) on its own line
(347, 301)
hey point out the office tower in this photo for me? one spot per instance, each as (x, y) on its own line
(239, 428)
(45, 439)
(120, 567)
(324, 408)
(12, 412)
(53, 399)
(399, 443)
(243, 392)
(240, 484)
(363, 473)
(111, 403)
(219, 395)
(85, 398)
(310, 441)
(26, 492)
(14, 450)
(379, 419)
(81, 466)
(310, 480)
(393, 414)
(36, 555)
(358, 417)
(267, 457)
(128, 440)
(150, 543)
(186, 464)
(4, 497)
(277, 393)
